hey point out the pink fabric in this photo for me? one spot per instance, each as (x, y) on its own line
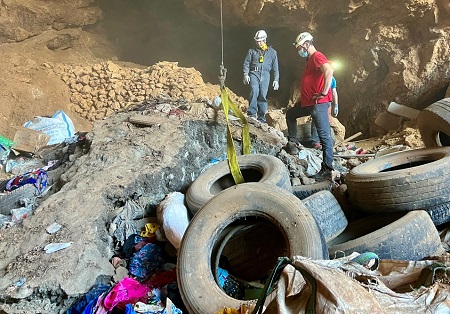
(124, 292)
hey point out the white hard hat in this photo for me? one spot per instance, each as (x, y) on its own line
(300, 40)
(260, 35)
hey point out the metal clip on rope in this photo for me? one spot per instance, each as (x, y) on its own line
(223, 76)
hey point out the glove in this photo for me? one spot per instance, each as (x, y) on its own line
(275, 85)
(246, 79)
(335, 110)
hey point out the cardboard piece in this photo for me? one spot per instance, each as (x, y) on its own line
(28, 140)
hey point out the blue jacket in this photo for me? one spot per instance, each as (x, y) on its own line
(253, 66)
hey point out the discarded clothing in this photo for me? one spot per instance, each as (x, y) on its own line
(147, 261)
(93, 294)
(150, 230)
(127, 291)
(134, 243)
(38, 178)
(161, 278)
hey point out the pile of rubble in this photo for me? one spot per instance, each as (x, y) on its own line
(101, 89)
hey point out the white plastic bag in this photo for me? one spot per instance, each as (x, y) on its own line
(55, 247)
(172, 215)
(58, 127)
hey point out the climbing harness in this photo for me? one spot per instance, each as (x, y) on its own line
(227, 105)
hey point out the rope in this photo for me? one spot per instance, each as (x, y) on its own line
(221, 27)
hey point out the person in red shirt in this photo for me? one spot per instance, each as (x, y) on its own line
(315, 98)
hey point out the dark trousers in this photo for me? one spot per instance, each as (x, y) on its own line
(319, 114)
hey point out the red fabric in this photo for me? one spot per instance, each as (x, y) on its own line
(161, 278)
(313, 80)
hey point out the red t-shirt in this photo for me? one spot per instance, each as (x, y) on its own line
(313, 80)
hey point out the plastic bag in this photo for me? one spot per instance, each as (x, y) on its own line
(58, 127)
(19, 214)
(55, 247)
(5, 147)
(173, 217)
(314, 162)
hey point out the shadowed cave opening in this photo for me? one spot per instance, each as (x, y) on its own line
(146, 32)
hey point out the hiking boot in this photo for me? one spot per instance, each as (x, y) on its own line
(291, 148)
(323, 174)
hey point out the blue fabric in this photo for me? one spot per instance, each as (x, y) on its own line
(85, 302)
(222, 275)
(129, 309)
(333, 83)
(319, 114)
(146, 261)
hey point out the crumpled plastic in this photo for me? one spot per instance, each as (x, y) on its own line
(342, 286)
(124, 222)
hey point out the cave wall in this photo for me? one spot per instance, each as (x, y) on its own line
(22, 19)
(388, 51)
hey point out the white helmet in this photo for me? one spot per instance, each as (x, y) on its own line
(300, 40)
(260, 35)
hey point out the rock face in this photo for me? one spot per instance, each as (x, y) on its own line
(22, 19)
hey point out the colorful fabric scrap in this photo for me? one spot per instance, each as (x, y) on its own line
(38, 178)
(147, 261)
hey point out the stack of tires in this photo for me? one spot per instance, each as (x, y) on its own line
(251, 224)
(403, 195)
(407, 194)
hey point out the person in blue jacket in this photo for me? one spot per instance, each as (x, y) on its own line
(259, 63)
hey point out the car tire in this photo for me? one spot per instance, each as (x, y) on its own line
(241, 203)
(407, 180)
(323, 205)
(434, 124)
(305, 190)
(400, 236)
(255, 168)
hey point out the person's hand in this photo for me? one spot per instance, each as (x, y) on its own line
(275, 85)
(334, 110)
(317, 96)
(246, 79)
